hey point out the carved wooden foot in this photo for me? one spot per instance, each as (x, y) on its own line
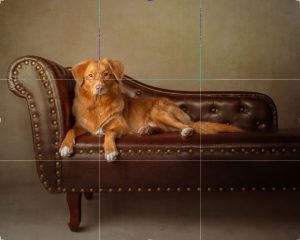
(88, 195)
(74, 203)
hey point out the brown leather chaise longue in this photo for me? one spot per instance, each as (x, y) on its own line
(260, 158)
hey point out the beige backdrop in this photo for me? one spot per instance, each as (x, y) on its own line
(158, 41)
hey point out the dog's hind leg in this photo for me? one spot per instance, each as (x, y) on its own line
(170, 120)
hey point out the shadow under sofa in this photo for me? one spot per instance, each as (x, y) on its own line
(261, 158)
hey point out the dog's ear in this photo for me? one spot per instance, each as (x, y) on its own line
(78, 71)
(117, 68)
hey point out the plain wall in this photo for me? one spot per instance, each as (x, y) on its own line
(159, 43)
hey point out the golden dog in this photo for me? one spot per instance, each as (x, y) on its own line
(101, 108)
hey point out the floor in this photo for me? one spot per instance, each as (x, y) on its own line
(29, 212)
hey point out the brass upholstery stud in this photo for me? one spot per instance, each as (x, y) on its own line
(110, 190)
(129, 150)
(42, 72)
(262, 150)
(188, 189)
(212, 150)
(158, 189)
(15, 72)
(91, 190)
(37, 135)
(49, 189)
(168, 150)
(29, 96)
(294, 150)
(232, 189)
(35, 125)
(23, 92)
(26, 62)
(129, 189)
(140, 150)
(53, 111)
(283, 150)
(252, 150)
(57, 173)
(190, 150)
(64, 189)
(243, 188)
(273, 150)
(81, 151)
(19, 66)
(243, 149)
(100, 189)
(34, 115)
(178, 151)
(59, 189)
(253, 188)
(54, 122)
(73, 190)
(158, 150)
(91, 151)
(119, 189)
(294, 189)
(222, 150)
(284, 188)
(273, 188)
(149, 150)
(32, 105)
(168, 189)
(38, 67)
(149, 189)
(263, 188)
(51, 100)
(81, 190)
(42, 176)
(45, 183)
(221, 189)
(56, 143)
(139, 189)
(178, 189)
(33, 62)
(58, 180)
(209, 189)
(57, 163)
(232, 150)
(44, 78)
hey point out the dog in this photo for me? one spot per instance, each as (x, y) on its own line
(100, 108)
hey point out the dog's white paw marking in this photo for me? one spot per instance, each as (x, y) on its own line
(144, 130)
(99, 132)
(65, 151)
(186, 132)
(110, 157)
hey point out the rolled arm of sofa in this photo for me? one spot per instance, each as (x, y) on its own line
(48, 89)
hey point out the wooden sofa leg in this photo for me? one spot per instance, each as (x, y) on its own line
(88, 195)
(74, 203)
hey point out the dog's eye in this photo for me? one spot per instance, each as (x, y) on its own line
(90, 76)
(105, 74)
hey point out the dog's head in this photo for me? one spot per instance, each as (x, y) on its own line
(98, 77)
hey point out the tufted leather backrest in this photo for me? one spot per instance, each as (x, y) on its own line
(247, 110)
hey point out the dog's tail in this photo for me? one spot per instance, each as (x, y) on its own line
(213, 128)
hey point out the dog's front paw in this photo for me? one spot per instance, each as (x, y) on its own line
(65, 151)
(187, 132)
(111, 156)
